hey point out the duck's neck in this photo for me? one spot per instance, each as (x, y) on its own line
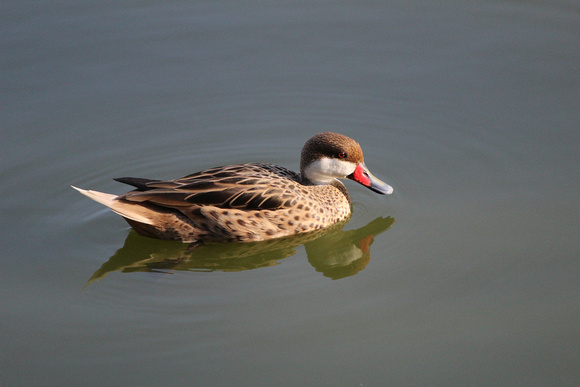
(326, 170)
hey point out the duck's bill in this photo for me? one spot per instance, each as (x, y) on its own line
(362, 176)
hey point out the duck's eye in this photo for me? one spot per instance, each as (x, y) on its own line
(341, 155)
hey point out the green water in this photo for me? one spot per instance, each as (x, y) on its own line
(466, 275)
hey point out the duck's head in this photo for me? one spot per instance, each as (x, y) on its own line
(328, 156)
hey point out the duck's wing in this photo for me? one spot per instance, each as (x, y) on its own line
(244, 187)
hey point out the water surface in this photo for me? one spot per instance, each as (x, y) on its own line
(467, 274)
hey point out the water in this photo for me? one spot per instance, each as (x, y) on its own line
(469, 110)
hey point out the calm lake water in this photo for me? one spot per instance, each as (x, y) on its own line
(467, 275)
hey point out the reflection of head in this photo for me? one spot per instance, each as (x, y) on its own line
(344, 254)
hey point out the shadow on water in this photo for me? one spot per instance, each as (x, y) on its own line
(333, 252)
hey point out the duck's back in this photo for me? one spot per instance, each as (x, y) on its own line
(246, 202)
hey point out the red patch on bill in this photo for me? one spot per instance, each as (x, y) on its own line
(361, 176)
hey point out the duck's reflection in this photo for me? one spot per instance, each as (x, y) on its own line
(333, 252)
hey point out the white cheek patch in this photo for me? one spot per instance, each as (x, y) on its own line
(325, 170)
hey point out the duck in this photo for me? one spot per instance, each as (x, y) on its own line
(248, 202)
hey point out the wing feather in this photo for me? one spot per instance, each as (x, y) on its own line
(244, 186)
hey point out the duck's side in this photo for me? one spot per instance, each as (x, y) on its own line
(247, 202)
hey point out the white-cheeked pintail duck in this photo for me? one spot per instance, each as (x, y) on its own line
(248, 202)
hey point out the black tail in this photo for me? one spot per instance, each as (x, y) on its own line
(137, 182)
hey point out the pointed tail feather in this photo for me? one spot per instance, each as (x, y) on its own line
(127, 210)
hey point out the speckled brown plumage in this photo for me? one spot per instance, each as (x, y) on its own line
(245, 202)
